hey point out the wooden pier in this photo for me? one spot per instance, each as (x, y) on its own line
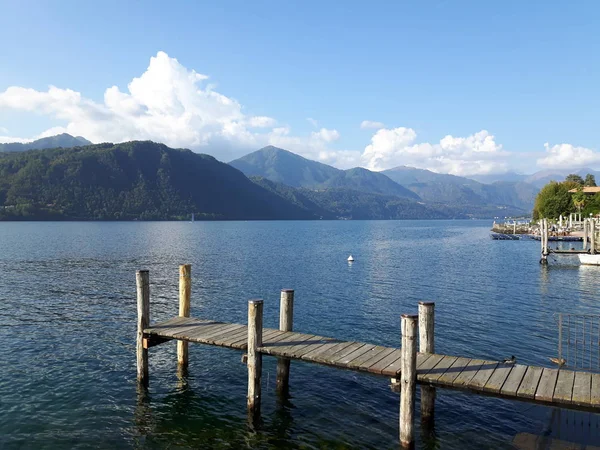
(549, 386)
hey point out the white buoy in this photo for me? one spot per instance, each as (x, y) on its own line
(350, 258)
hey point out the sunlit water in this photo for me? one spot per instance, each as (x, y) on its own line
(68, 320)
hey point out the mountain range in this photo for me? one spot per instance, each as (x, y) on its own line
(462, 195)
(61, 140)
(146, 180)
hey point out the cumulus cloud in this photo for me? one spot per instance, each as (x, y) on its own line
(568, 156)
(475, 154)
(368, 124)
(168, 103)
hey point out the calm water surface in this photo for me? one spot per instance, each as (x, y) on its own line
(68, 319)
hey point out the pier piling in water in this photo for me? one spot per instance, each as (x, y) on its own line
(286, 320)
(143, 322)
(255, 329)
(427, 345)
(185, 291)
(408, 380)
(544, 241)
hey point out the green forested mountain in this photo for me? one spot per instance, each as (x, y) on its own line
(62, 140)
(464, 192)
(339, 203)
(288, 168)
(133, 180)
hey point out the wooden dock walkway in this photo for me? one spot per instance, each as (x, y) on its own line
(555, 387)
(407, 366)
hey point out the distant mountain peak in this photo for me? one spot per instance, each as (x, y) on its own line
(64, 140)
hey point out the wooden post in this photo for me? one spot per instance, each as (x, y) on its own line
(286, 320)
(255, 325)
(585, 234)
(592, 236)
(544, 241)
(408, 380)
(185, 291)
(427, 345)
(143, 308)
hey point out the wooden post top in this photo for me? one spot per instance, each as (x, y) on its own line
(410, 316)
(427, 303)
(255, 302)
(143, 271)
(287, 290)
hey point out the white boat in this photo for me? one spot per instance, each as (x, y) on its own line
(590, 260)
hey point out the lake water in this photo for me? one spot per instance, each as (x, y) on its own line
(68, 322)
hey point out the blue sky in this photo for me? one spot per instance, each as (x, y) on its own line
(459, 87)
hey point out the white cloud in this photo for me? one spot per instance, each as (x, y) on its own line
(313, 122)
(367, 124)
(167, 103)
(261, 122)
(568, 156)
(475, 154)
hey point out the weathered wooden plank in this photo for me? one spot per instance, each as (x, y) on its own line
(285, 346)
(331, 351)
(274, 337)
(228, 338)
(428, 364)
(494, 384)
(213, 338)
(468, 373)
(564, 386)
(393, 369)
(182, 330)
(155, 328)
(378, 357)
(313, 345)
(448, 377)
(545, 389)
(530, 382)
(512, 383)
(359, 363)
(199, 331)
(421, 358)
(169, 328)
(293, 350)
(315, 353)
(582, 388)
(344, 361)
(483, 375)
(595, 392)
(383, 363)
(342, 352)
(439, 369)
(280, 339)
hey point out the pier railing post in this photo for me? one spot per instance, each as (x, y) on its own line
(143, 322)
(408, 380)
(585, 234)
(544, 241)
(255, 325)
(286, 320)
(427, 345)
(592, 236)
(185, 291)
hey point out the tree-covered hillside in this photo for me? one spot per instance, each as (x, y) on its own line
(133, 180)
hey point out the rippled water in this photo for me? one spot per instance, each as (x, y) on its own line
(68, 318)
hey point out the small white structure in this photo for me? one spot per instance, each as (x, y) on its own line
(350, 258)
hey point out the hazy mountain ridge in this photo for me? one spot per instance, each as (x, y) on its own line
(294, 170)
(456, 190)
(61, 140)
